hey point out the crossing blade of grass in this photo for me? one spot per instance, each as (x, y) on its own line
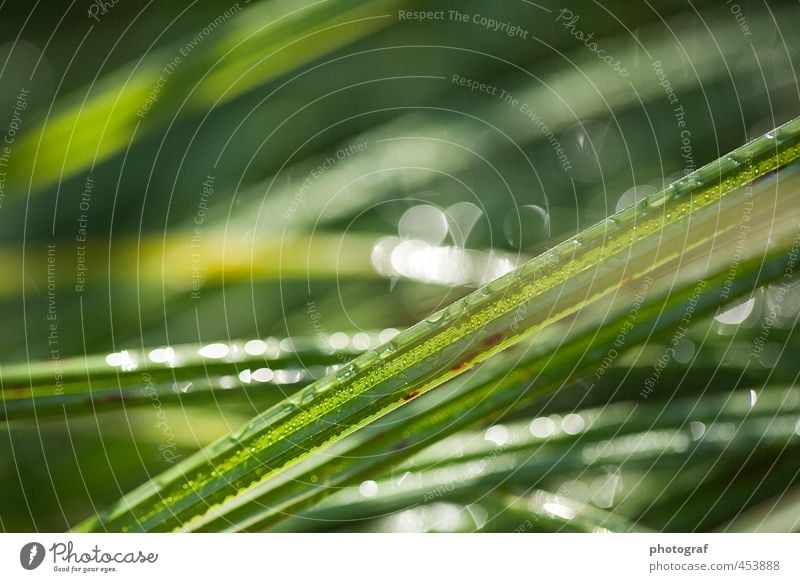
(687, 218)
(538, 511)
(265, 370)
(542, 511)
(469, 481)
(609, 422)
(242, 377)
(26, 404)
(479, 466)
(261, 386)
(718, 365)
(180, 362)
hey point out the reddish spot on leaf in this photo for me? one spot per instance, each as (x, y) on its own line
(111, 398)
(459, 366)
(411, 395)
(493, 340)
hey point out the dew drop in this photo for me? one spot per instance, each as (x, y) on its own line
(263, 375)
(339, 340)
(362, 341)
(387, 334)
(387, 350)
(633, 195)
(368, 488)
(255, 347)
(424, 223)
(658, 199)
(732, 160)
(346, 372)
(367, 358)
(553, 258)
(542, 427)
(162, 355)
(436, 317)
(737, 314)
(456, 309)
(214, 351)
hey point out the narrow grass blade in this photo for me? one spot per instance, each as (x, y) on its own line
(469, 482)
(181, 362)
(257, 371)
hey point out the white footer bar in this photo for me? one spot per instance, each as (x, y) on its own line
(389, 557)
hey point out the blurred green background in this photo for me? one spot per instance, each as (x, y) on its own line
(231, 165)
